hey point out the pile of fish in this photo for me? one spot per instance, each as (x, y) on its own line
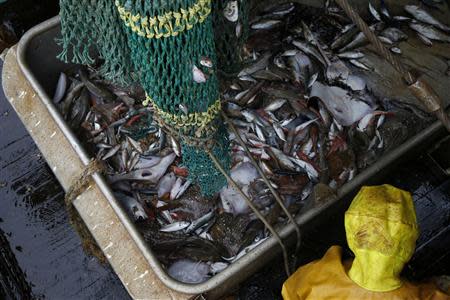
(301, 105)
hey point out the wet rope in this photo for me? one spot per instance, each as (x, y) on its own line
(422, 91)
(79, 185)
(267, 182)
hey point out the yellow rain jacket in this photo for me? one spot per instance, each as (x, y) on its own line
(381, 231)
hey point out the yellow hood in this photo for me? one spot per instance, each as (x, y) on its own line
(381, 230)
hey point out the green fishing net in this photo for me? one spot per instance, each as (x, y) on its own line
(231, 31)
(169, 47)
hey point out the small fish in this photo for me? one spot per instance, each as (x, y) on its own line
(360, 65)
(200, 222)
(396, 50)
(423, 16)
(380, 121)
(198, 75)
(401, 18)
(345, 37)
(183, 189)
(176, 188)
(175, 146)
(61, 87)
(283, 10)
(351, 54)
(206, 62)
(279, 131)
(430, 32)
(96, 89)
(136, 145)
(183, 108)
(394, 34)
(177, 226)
(425, 40)
(385, 40)
(374, 12)
(111, 152)
(265, 24)
(359, 40)
(304, 125)
(275, 105)
(231, 11)
(308, 49)
(313, 79)
(260, 64)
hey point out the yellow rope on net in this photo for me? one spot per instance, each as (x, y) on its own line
(201, 121)
(169, 24)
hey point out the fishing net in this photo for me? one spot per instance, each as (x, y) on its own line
(231, 31)
(170, 46)
(89, 27)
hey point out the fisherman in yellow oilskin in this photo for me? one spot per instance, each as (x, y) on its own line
(381, 231)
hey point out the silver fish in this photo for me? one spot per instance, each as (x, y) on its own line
(111, 152)
(359, 40)
(61, 87)
(177, 226)
(394, 34)
(396, 50)
(260, 64)
(200, 222)
(265, 24)
(385, 40)
(183, 108)
(312, 80)
(345, 37)
(430, 32)
(176, 188)
(425, 40)
(351, 54)
(279, 131)
(183, 189)
(175, 146)
(275, 105)
(360, 64)
(136, 145)
(308, 49)
(423, 16)
(374, 12)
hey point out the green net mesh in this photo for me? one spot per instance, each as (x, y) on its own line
(231, 31)
(93, 27)
(170, 46)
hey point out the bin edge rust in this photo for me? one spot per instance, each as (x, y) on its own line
(242, 268)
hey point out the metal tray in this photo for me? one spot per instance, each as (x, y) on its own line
(37, 58)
